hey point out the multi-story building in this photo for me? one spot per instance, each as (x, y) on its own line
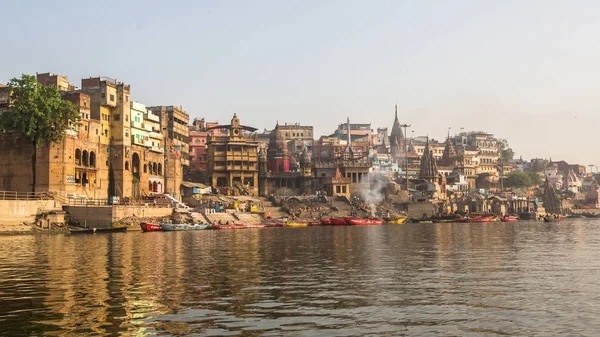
(232, 164)
(198, 133)
(174, 122)
(140, 133)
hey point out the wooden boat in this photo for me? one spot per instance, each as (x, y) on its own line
(118, 225)
(150, 227)
(169, 227)
(314, 223)
(256, 226)
(509, 219)
(97, 230)
(481, 219)
(229, 227)
(337, 222)
(326, 222)
(296, 224)
(551, 219)
(362, 222)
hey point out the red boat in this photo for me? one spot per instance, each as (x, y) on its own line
(363, 222)
(337, 222)
(150, 227)
(255, 226)
(275, 225)
(314, 223)
(229, 227)
(326, 222)
(509, 219)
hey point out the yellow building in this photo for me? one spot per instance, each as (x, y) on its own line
(233, 159)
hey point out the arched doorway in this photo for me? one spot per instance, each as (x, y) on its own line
(135, 170)
(92, 159)
(84, 158)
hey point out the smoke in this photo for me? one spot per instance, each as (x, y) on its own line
(372, 189)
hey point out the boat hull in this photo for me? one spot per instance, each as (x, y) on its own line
(98, 230)
(363, 222)
(326, 222)
(167, 227)
(337, 222)
(229, 227)
(398, 221)
(296, 224)
(150, 227)
(509, 219)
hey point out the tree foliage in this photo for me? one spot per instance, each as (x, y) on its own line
(38, 112)
(536, 180)
(506, 152)
(518, 179)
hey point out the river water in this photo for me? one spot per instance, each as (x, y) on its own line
(520, 279)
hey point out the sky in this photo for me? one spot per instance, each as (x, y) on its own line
(526, 71)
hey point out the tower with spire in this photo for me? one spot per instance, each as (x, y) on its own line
(428, 170)
(278, 157)
(449, 156)
(396, 138)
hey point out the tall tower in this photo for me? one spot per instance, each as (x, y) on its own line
(396, 138)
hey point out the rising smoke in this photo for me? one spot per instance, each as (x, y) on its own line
(372, 189)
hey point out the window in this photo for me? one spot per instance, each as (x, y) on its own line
(127, 165)
(118, 117)
(96, 131)
(126, 118)
(112, 98)
(126, 134)
(103, 95)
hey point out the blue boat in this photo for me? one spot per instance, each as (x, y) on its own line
(168, 227)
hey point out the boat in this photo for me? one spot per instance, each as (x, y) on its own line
(362, 222)
(397, 221)
(97, 230)
(296, 224)
(314, 223)
(510, 218)
(256, 226)
(118, 225)
(168, 227)
(150, 227)
(229, 227)
(479, 219)
(326, 222)
(549, 218)
(337, 222)
(275, 225)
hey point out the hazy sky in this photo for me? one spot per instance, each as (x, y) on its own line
(527, 71)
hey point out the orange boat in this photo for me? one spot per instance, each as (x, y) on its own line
(480, 218)
(314, 223)
(362, 222)
(509, 219)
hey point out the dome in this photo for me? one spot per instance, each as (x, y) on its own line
(277, 143)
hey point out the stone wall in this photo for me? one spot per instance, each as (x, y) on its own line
(104, 216)
(19, 211)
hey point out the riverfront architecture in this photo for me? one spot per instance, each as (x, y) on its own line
(122, 150)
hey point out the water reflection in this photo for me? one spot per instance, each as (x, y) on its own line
(424, 280)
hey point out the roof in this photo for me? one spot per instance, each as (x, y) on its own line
(191, 184)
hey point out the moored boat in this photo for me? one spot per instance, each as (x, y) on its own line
(326, 222)
(314, 223)
(362, 222)
(296, 224)
(229, 227)
(510, 218)
(97, 230)
(549, 218)
(150, 227)
(256, 226)
(169, 227)
(275, 225)
(397, 221)
(337, 222)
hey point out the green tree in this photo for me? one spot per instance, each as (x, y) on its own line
(536, 180)
(518, 179)
(506, 152)
(38, 113)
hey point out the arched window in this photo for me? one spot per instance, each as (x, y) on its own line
(78, 157)
(159, 169)
(135, 163)
(145, 168)
(154, 168)
(150, 186)
(92, 159)
(154, 187)
(127, 165)
(84, 158)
